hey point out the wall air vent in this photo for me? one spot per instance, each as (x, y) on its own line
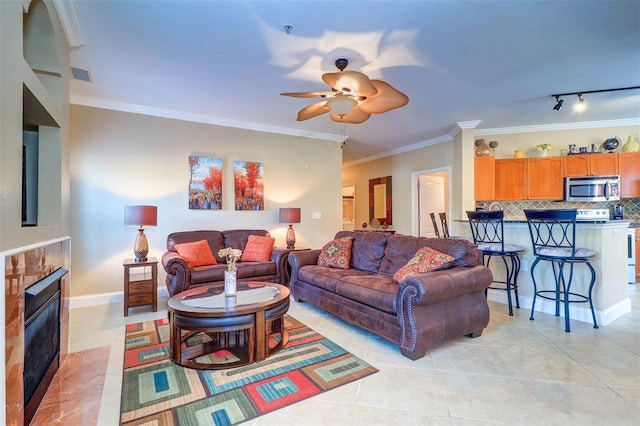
(80, 74)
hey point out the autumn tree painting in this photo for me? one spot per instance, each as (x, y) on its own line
(205, 183)
(249, 185)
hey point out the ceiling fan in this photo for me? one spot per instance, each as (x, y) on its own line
(353, 98)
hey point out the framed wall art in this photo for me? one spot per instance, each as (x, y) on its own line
(248, 185)
(205, 183)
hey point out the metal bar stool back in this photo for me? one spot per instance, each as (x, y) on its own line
(487, 229)
(445, 226)
(435, 224)
(553, 237)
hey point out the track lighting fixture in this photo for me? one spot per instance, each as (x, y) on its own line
(580, 105)
(558, 105)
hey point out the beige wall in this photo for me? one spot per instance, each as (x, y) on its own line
(121, 158)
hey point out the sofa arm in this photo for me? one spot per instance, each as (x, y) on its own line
(298, 259)
(178, 272)
(280, 257)
(434, 287)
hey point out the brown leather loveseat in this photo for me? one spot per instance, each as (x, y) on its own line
(180, 276)
(421, 311)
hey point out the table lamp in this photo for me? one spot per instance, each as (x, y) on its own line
(290, 215)
(141, 216)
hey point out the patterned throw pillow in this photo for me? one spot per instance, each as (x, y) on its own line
(336, 253)
(258, 249)
(425, 260)
(197, 253)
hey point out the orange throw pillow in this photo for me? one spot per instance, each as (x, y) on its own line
(425, 260)
(197, 253)
(336, 253)
(258, 249)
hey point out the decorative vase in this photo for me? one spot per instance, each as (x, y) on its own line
(482, 149)
(543, 153)
(631, 145)
(229, 283)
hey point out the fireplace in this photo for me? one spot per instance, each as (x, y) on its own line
(41, 339)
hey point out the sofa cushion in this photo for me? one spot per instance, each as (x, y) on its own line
(258, 249)
(197, 253)
(214, 238)
(324, 277)
(426, 259)
(378, 291)
(237, 238)
(336, 253)
(368, 249)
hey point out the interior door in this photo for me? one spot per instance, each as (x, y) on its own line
(431, 198)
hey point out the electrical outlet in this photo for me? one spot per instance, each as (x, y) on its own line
(316, 215)
(524, 266)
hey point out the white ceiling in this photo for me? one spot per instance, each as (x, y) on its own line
(225, 62)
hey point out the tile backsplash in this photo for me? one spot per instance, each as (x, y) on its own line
(513, 209)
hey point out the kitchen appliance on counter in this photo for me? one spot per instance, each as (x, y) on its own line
(592, 215)
(617, 212)
(592, 188)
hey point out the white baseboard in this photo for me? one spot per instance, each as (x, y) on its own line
(105, 298)
(579, 312)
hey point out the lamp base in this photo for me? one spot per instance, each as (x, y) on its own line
(141, 246)
(291, 238)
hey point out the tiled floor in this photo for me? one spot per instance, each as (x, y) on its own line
(518, 372)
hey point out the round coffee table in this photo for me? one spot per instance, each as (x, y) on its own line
(212, 331)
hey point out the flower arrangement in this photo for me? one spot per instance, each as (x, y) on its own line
(232, 256)
(543, 147)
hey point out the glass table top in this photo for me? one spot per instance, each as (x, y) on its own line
(244, 296)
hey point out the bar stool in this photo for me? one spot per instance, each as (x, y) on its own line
(487, 229)
(445, 226)
(553, 236)
(435, 224)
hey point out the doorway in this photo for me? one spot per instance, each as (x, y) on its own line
(430, 194)
(348, 207)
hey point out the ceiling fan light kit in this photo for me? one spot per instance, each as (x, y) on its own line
(353, 98)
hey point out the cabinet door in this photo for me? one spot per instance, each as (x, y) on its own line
(575, 165)
(603, 164)
(510, 174)
(629, 167)
(484, 180)
(544, 178)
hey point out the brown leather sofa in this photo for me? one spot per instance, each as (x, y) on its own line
(420, 312)
(181, 277)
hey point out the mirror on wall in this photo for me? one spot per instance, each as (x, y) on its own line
(380, 200)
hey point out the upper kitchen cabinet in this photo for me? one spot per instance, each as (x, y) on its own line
(629, 168)
(510, 179)
(544, 178)
(590, 165)
(484, 178)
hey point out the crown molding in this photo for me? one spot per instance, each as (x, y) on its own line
(559, 126)
(198, 118)
(70, 23)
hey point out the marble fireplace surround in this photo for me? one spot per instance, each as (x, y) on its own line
(23, 268)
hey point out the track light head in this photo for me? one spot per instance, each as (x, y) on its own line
(559, 102)
(580, 106)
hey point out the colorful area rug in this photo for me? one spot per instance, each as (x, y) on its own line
(157, 391)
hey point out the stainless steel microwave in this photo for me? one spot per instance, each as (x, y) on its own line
(592, 188)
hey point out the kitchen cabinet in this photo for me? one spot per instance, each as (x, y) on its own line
(629, 168)
(484, 178)
(590, 165)
(637, 241)
(544, 178)
(529, 179)
(510, 179)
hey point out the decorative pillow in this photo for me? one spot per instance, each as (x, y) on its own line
(336, 253)
(425, 260)
(258, 249)
(197, 253)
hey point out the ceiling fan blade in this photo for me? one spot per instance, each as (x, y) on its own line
(386, 99)
(309, 94)
(356, 116)
(350, 83)
(312, 110)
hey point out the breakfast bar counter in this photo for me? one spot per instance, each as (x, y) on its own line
(608, 238)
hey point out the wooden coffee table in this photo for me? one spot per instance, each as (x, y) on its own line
(211, 331)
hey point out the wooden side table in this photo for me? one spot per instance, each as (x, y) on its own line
(140, 287)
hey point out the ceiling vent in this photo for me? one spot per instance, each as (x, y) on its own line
(80, 74)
